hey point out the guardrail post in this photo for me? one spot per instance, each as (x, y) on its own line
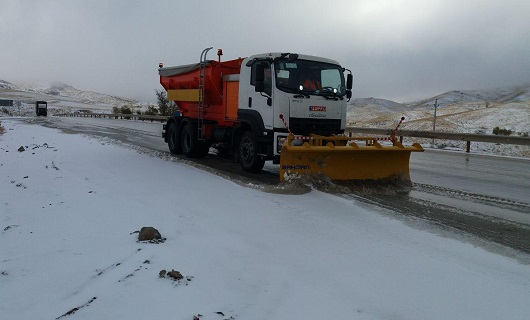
(468, 147)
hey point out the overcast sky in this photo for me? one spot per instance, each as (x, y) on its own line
(400, 50)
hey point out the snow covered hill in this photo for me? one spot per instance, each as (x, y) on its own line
(7, 85)
(60, 97)
(505, 95)
(362, 110)
(478, 111)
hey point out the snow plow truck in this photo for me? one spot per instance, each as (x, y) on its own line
(282, 107)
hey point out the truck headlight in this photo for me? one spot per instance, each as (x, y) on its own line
(280, 140)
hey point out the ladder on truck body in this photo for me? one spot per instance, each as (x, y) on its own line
(202, 84)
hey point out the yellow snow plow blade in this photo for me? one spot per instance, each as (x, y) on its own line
(340, 158)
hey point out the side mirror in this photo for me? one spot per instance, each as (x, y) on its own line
(250, 62)
(349, 82)
(292, 57)
(348, 94)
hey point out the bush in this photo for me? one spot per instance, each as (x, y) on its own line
(122, 110)
(6, 111)
(504, 132)
(165, 107)
(126, 110)
(151, 111)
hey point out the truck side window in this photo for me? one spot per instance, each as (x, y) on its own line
(267, 76)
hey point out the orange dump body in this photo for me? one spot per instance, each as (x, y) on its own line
(221, 90)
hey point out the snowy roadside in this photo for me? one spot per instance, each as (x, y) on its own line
(69, 206)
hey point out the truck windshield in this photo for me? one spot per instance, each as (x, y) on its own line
(309, 77)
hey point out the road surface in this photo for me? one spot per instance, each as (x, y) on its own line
(483, 198)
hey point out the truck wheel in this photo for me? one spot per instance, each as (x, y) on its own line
(173, 139)
(190, 145)
(248, 153)
(188, 140)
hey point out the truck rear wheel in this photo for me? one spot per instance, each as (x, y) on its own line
(173, 139)
(188, 140)
(248, 153)
(191, 146)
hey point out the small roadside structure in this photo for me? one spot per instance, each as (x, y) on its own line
(41, 108)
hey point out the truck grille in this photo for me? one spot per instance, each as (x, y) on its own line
(325, 127)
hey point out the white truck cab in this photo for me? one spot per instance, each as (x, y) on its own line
(294, 93)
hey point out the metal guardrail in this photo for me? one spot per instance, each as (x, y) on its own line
(140, 117)
(468, 137)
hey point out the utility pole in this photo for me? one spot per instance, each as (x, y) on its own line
(434, 119)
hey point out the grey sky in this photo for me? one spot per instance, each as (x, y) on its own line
(400, 50)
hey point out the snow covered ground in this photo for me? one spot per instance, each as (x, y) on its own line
(70, 204)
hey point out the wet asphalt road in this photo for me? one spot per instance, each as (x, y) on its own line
(480, 197)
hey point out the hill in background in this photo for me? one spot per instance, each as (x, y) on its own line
(474, 111)
(60, 97)
(457, 111)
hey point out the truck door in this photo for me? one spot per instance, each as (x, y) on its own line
(261, 101)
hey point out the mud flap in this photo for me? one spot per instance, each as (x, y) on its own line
(344, 160)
